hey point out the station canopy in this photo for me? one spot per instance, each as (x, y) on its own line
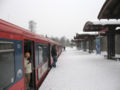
(83, 37)
(91, 27)
(110, 10)
(100, 25)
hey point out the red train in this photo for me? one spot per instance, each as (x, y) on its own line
(14, 42)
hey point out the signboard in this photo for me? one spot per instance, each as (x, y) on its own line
(98, 46)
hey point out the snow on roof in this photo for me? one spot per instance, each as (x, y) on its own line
(107, 22)
(90, 33)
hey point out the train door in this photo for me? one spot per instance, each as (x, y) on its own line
(29, 47)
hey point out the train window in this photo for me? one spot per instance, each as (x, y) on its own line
(6, 45)
(40, 55)
(6, 63)
(43, 53)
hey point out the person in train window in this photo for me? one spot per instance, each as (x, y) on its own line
(54, 55)
(28, 69)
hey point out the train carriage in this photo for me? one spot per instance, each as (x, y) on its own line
(14, 42)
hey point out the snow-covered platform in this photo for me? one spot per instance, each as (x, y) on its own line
(78, 70)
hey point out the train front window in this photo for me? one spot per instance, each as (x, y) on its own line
(6, 63)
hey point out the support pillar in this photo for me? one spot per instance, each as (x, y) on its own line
(90, 46)
(110, 44)
(84, 45)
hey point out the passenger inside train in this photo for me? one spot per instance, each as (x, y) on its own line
(28, 69)
(29, 64)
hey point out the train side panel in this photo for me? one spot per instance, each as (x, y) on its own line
(11, 53)
(42, 62)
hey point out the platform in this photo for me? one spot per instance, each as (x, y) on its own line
(78, 70)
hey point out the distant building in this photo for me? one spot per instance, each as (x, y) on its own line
(32, 26)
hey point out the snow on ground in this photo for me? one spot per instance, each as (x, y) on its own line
(78, 70)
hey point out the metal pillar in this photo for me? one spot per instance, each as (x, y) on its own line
(90, 46)
(84, 45)
(110, 44)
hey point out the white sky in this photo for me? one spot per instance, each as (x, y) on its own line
(53, 17)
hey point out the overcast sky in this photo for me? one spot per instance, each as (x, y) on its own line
(55, 18)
